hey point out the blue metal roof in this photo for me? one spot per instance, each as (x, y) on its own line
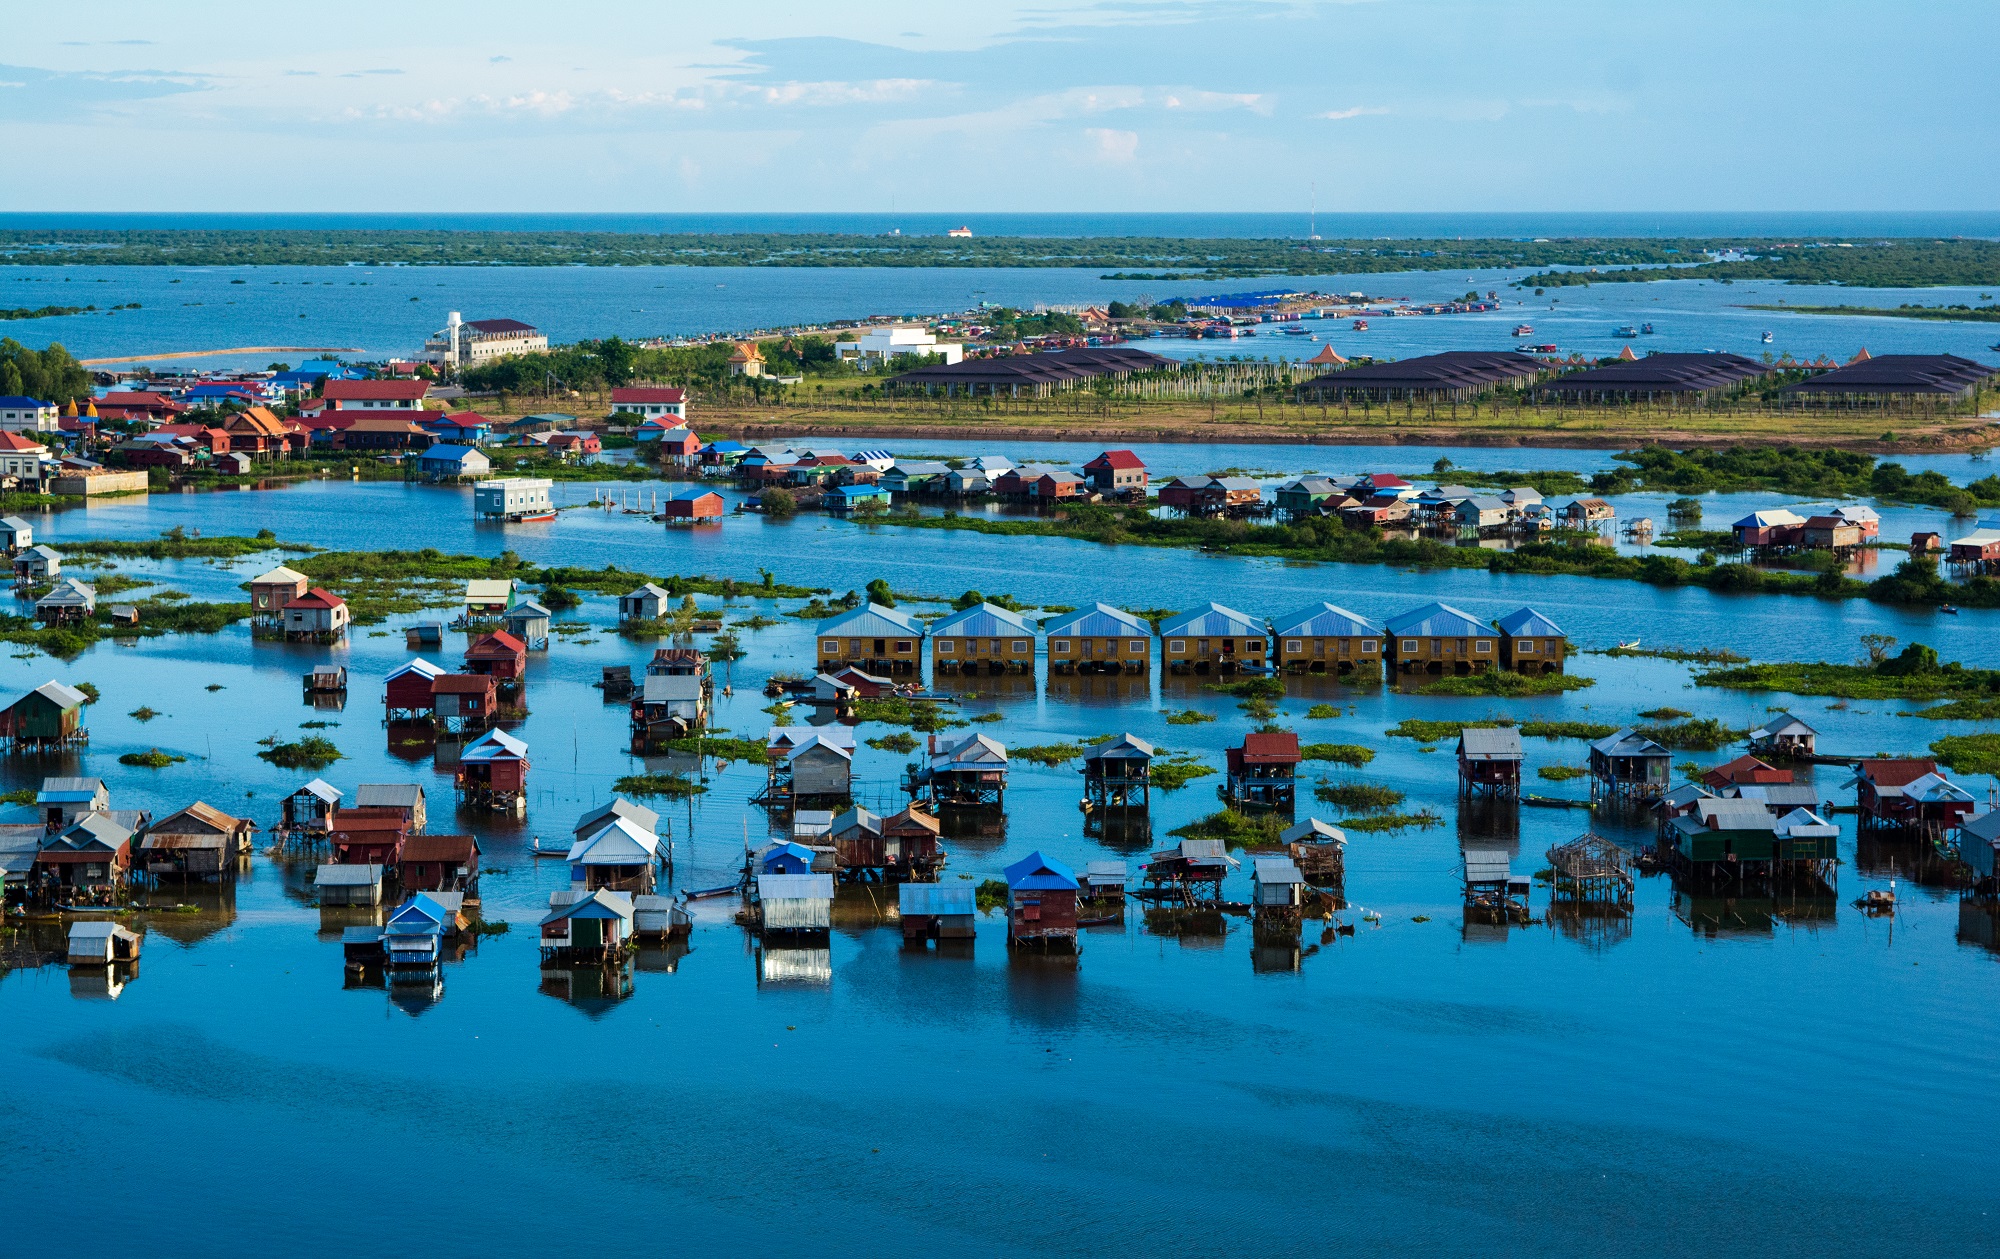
(1212, 619)
(15, 402)
(453, 454)
(1324, 620)
(1528, 623)
(983, 621)
(1036, 873)
(1437, 620)
(691, 493)
(934, 898)
(871, 620)
(1099, 620)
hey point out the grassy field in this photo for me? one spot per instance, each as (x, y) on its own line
(838, 411)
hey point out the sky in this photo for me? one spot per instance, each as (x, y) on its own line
(1097, 105)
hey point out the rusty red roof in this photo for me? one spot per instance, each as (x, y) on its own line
(317, 598)
(1279, 748)
(374, 390)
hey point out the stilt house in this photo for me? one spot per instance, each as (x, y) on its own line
(1041, 903)
(1261, 773)
(1324, 638)
(1098, 639)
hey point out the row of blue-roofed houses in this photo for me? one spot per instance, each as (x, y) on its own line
(1319, 638)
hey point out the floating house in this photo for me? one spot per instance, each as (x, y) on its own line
(501, 656)
(316, 616)
(982, 639)
(464, 701)
(1585, 513)
(617, 852)
(102, 944)
(639, 815)
(1261, 772)
(1627, 763)
(794, 904)
(311, 807)
(1531, 643)
(70, 602)
(1213, 638)
(1099, 639)
(598, 927)
(668, 706)
(878, 639)
(910, 844)
(493, 771)
(487, 597)
(784, 856)
(1784, 735)
(1323, 638)
(1489, 762)
(528, 622)
(966, 772)
(660, 918)
(1118, 774)
(90, 857)
(693, 503)
(407, 690)
(50, 716)
(367, 837)
(348, 884)
(1492, 887)
(1318, 849)
(197, 842)
(407, 799)
(1438, 638)
(1909, 794)
(647, 603)
(936, 911)
(1104, 882)
(439, 863)
(1041, 903)
(413, 936)
(1734, 839)
(808, 765)
(1190, 875)
(270, 592)
(857, 842)
(1277, 887)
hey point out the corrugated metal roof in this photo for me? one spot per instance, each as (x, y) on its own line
(1213, 620)
(388, 796)
(1528, 623)
(1099, 620)
(1105, 872)
(1501, 743)
(666, 688)
(935, 898)
(1486, 865)
(983, 621)
(347, 876)
(1437, 620)
(1783, 723)
(1628, 742)
(794, 887)
(322, 789)
(1035, 872)
(494, 745)
(1312, 830)
(618, 843)
(1124, 747)
(1324, 620)
(871, 620)
(1276, 870)
(639, 815)
(62, 695)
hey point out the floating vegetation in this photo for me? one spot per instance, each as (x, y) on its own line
(1046, 753)
(144, 713)
(23, 795)
(722, 748)
(986, 719)
(1358, 797)
(316, 725)
(673, 785)
(481, 927)
(312, 752)
(1188, 717)
(1391, 822)
(1566, 729)
(923, 716)
(1349, 754)
(1249, 688)
(1322, 712)
(1503, 682)
(1664, 714)
(1969, 753)
(90, 692)
(214, 686)
(153, 758)
(1431, 731)
(897, 742)
(1561, 773)
(1702, 734)
(1234, 829)
(990, 894)
(1703, 655)
(1171, 773)
(1914, 673)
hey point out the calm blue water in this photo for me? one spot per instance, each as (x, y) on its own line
(377, 313)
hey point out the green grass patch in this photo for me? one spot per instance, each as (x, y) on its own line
(1323, 712)
(722, 748)
(897, 742)
(1502, 682)
(1561, 773)
(1171, 773)
(1958, 710)
(671, 785)
(1435, 731)
(1234, 829)
(311, 752)
(1358, 797)
(1188, 717)
(1701, 734)
(1249, 688)
(1377, 823)
(1915, 673)
(990, 894)
(1663, 714)
(152, 758)
(923, 716)
(1350, 754)
(1046, 753)
(1969, 753)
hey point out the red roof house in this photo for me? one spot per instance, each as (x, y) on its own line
(1117, 471)
(376, 395)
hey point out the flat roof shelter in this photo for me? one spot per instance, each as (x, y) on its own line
(1489, 762)
(936, 911)
(1452, 376)
(1894, 378)
(1029, 375)
(1680, 379)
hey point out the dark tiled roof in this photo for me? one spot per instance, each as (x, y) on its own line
(1663, 373)
(1898, 373)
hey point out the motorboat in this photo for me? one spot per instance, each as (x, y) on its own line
(1524, 330)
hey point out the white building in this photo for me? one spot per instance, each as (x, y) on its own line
(27, 415)
(462, 344)
(883, 344)
(513, 498)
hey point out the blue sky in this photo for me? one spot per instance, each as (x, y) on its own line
(1383, 105)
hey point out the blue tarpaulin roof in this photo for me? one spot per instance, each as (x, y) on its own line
(1036, 873)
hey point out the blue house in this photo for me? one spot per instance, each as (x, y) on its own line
(447, 463)
(464, 429)
(414, 934)
(786, 858)
(849, 497)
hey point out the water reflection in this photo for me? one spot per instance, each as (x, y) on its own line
(1275, 947)
(594, 990)
(101, 983)
(1979, 924)
(1595, 924)
(802, 967)
(1882, 854)
(189, 913)
(662, 958)
(1099, 689)
(1717, 915)
(1488, 823)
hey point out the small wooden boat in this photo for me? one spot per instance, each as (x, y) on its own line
(549, 847)
(1949, 609)
(708, 893)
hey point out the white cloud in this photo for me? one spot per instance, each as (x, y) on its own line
(1358, 111)
(1114, 146)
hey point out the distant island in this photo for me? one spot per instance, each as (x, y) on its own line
(1957, 314)
(1551, 263)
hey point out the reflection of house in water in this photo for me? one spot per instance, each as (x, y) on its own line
(1484, 822)
(1718, 917)
(1482, 927)
(665, 957)
(1274, 948)
(101, 983)
(1979, 924)
(413, 997)
(810, 967)
(213, 908)
(1095, 689)
(1595, 924)
(594, 990)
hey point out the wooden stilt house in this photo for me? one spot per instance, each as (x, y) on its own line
(598, 927)
(1319, 850)
(982, 639)
(1278, 889)
(967, 772)
(617, 853)
(406, 690)
(501, 656)
(910, 844)
(1118, 774)
(936, 911)
(1908, 794)
(1190, 875)
(1261, 773)
(1098, 639)
(1489, 762)
(198, 842)
(1627, 763)
(493, 771)
(1784, 736)
(1323, 638)
(50, 716)
(310, 808)
(808, 766)
(1041, 903)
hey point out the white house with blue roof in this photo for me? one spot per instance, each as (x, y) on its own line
(1099, 639)
(1213, 637)
(28, 415)
(879, 640)
(984, 638)
(448, 462)
(1438, 638)
(1326, 638)
(1531, 642)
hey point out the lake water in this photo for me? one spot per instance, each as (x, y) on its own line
(383, 312)
(1776, 1078)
